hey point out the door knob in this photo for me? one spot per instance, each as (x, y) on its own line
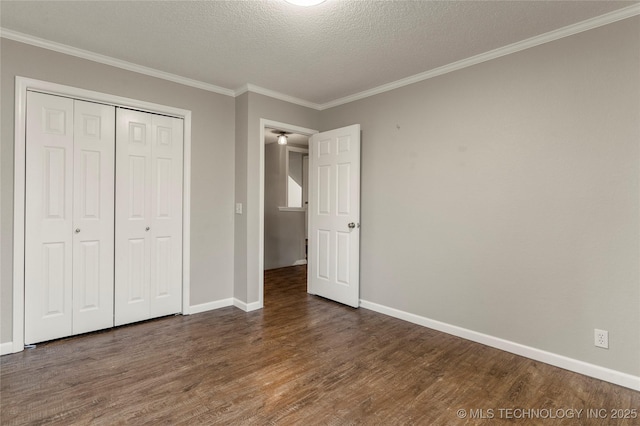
(77, 230)
(147, 228)
(351, 225)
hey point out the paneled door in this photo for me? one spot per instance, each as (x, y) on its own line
(334, 215)
(93, 216)
(69, 217)
(148, 277)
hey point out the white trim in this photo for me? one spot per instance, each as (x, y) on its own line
(6, 348)
(292, 209)
(285, 128)
(186, 216)
(300, 262)
(108, 60)
(210, 306)
(276, 95)
(577, 366)
(569, 30)
(264, 123)
(19, 185)
(24, 84)
(239, 304)
(297, 149)
(247, 307)
(579, 27)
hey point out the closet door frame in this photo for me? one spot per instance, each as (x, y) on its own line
(27, 84)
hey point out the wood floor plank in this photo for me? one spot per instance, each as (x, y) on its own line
(301, 360)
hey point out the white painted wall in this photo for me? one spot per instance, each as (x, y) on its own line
(504, 198)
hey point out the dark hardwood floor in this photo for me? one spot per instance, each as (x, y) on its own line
(301, 360)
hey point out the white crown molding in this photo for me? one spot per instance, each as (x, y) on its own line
(107, 60)
(276, 95)
(569, 30)
(579, 27)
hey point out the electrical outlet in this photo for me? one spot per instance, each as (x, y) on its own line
(601, 338)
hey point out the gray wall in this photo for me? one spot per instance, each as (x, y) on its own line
(240, 223)
(247, 188)
(503, 198)
(212, 164)
(284, 231)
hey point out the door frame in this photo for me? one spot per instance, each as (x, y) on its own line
(22, 85)
(264, 123)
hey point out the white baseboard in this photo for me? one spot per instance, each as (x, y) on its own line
(300, 262)
(6, 348)
(210, 306)
(247, 307)
(577, 366)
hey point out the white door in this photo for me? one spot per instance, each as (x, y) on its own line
(69, 188)
(166, 215)
(334, 215)
(148, 216)
(48, 285)
(93, 204)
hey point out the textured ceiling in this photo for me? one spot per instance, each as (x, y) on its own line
(318, 54)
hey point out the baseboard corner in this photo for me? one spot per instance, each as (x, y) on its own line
(247, 307)
(210, 306)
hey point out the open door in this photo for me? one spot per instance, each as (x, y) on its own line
(334, 215)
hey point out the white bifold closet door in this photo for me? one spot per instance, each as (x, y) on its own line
(148, 263)
(69, 213)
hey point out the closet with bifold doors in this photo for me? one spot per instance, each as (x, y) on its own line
(103, 216)
(148, 279)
